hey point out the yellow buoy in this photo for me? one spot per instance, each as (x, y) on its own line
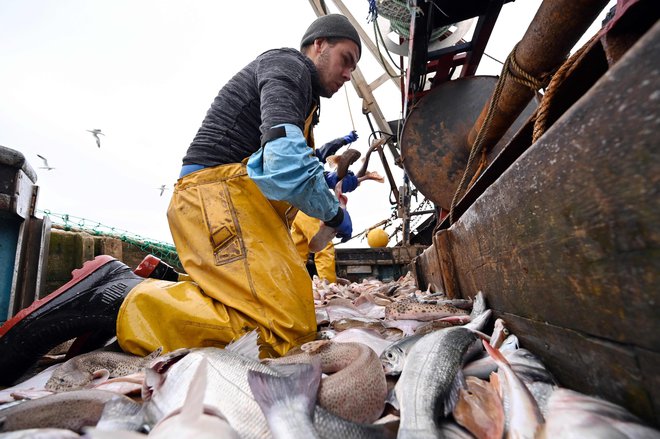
(377, 238)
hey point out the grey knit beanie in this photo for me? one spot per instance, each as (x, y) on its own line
(331, 26)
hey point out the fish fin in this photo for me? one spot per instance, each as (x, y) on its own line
(299, 382)
(155, 354)
(99, 376)
(456, 319)
(314, 346)
(454, 392)
(152, 381)
(494, 380)
(333, 160)
(194, 405)
(495, 354)
(246, 345)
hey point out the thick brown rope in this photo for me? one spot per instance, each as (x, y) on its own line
(481, 135)
(524, 78)
(564, 71)
(511, 69)
(482, 165)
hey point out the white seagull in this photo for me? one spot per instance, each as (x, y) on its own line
(45, 166)
(95, 132)
(162, 189)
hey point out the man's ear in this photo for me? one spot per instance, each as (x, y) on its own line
(319, 44)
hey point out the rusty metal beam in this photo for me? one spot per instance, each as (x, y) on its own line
(555, 29)
(417, 52)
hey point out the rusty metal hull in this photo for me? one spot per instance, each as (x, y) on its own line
(434, 146)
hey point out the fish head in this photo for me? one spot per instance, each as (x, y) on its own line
(392, 360)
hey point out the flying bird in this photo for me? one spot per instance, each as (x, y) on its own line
(162, 189)
(45, 166)
(95, 132)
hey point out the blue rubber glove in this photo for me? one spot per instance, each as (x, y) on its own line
(345, 229)
(329, 149)
(348, 184)
(350, 137)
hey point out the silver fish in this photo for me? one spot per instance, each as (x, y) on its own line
(195, 420)
(394, 356)
(230, 392)
(574, 415)
(482, 367)
(524, 417)
(429, 383)
(231, 395)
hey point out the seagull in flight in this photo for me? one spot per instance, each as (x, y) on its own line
(162, 189)
(45, 166)
(95, 132)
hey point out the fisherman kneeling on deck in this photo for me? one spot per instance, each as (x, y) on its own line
(248, 170)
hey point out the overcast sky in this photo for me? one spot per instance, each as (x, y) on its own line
(145, 73)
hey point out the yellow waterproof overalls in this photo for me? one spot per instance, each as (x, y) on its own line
(303, 230)
(237, 247)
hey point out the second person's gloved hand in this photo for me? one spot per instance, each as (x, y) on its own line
(350, 137)
(348, 184)
(345, 229)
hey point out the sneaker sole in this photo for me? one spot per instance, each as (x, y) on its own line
(79, 274)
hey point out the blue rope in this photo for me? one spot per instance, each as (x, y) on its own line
(373, 11)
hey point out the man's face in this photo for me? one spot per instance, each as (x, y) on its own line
(335, 62)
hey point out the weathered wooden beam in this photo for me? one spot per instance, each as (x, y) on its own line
(427, 270)
(442, 244)
(569, 235)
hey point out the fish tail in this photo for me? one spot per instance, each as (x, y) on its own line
(298, 380)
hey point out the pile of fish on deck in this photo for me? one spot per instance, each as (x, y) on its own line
(390, 361)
